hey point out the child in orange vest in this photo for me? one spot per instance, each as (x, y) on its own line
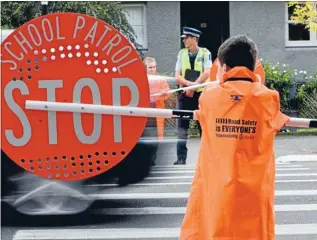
(155, 126)
(232, 194)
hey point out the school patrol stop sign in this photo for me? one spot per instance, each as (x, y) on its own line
(76, 58)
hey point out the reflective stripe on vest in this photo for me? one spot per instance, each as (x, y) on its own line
(198, 65)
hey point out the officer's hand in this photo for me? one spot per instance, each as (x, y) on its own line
(189, 83)
(189, 93)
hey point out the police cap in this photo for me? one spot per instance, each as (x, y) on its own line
(190, 32)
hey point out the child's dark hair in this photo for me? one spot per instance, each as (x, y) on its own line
(238, 51)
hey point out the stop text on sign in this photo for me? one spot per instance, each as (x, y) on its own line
(51, 86)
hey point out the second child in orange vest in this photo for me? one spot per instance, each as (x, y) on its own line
(232, 193)
(156, 86)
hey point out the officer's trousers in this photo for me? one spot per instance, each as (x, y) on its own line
(185, 103)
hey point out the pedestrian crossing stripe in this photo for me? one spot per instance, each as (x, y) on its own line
(191, 176)
(297, 158)
(189, 183)
(192, 171)
(282, 164)
(174, 195)
(137, 233)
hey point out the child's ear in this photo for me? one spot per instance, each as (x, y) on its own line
(225, 68)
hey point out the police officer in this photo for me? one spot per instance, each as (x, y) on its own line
(192, 67)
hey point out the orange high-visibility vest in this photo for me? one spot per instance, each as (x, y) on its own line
(215, 71)
(232, 193)
(158, 86)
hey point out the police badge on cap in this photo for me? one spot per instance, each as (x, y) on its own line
(190, 32)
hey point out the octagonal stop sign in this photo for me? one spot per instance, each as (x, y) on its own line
(69, 57)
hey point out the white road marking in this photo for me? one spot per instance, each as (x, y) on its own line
(292, 169)
(144, 184)
(172, 172)
(295, 174)
(296, 229)
(189, 183)
(193, 166)
(296, 180)
(136, 233)
(175, 166)
(177, 195)
(311, 192)
(169, 177)
(96, 234)
(298, 158)
(295, 207)
(192, 171)
(191, 176)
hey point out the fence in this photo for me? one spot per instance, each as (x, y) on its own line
(309, 107)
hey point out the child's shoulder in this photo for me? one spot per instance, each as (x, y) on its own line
(211, 87)
(260, 89)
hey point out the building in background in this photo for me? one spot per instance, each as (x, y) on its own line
(5, 33)
(158, 27)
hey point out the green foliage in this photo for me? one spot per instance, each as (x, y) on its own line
(309, 88)
(305, 13)
(282, 78)
(15, 14)
(278, 77)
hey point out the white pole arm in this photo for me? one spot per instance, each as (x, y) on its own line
(107, 110)
(302, 123)
(194, 87)
(137, 111)
(159, 77)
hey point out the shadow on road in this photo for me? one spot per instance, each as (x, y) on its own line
(10, 217)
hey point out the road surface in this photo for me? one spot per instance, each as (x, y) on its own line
(154, 208)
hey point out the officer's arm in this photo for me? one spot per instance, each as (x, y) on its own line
(203, 77)
(207, 65)
(181, 80)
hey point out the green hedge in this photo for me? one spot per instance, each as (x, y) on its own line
(282, 78)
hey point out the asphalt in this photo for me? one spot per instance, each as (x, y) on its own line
(154, 208)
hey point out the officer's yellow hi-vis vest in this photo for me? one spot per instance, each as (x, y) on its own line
(199, 61)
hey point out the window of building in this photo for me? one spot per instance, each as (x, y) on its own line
(136, 15)
(296, 34)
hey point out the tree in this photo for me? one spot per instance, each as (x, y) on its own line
(305, 13)
(15, 14)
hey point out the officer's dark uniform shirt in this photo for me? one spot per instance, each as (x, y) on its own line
(192, 57)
